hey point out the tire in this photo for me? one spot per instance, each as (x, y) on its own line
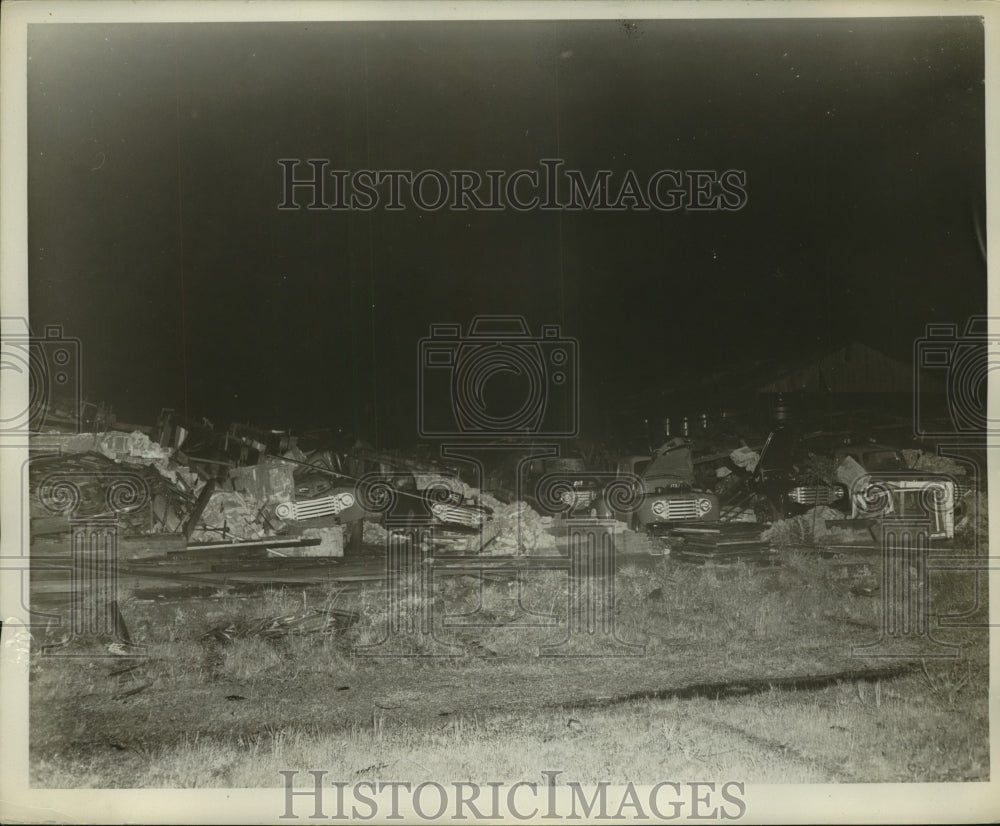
(355, 536)
(765, 510)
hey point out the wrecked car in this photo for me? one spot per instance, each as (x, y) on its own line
(785, 481)
(665, 495)
(559, 486)
(880, 483)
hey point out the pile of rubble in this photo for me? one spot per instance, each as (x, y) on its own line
(817, 526)
(974, 525)
(520, 530)
(932, 463)
(247, 485)
(160, 489)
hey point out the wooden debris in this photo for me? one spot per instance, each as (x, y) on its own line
(325, 621)
(725, 542)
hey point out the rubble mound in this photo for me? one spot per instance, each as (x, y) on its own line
(521, 530)
(932, 463)
(374, 533)
(132, 448)
(808, 528)
(975, 523)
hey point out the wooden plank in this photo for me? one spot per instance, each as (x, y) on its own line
(199, 508)
(129, 547)
(47, 525)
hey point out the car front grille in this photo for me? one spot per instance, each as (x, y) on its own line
(577, 498)
(314, 508)
(679, 509)
(459, 515)
(814, 495)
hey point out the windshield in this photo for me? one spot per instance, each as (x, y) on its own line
(672, 461)
(568, 464)
(883, 460)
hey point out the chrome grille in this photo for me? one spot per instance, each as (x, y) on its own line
(679, 509)
(814, 495)
(458, 514)
(314, 508)
(577, 498)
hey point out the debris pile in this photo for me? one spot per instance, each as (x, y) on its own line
(208, 510)
(246, 494)
(319, 621)
(817, 526)
(974, 526)
(374, 533)
(91, 486)
(932, 463)
(722, 543)
(520, 530)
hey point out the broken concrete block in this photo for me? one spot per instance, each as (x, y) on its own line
(919, 460)
(374, 533)
(268, 481)
(132, 447)
(67, 442)
(165, 515)
(745, 458)
(230, 511)
(520, 530)
(848, 472)
(331, 542)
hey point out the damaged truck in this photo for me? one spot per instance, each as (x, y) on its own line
(664, 492)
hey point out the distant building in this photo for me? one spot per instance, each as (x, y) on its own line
(852, 379)
(849, 370)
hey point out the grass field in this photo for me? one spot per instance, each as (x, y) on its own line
(737, 671)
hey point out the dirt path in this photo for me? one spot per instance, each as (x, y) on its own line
(410, 694)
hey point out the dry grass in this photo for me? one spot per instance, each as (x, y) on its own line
(235, 713)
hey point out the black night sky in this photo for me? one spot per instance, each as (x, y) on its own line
(156, 239)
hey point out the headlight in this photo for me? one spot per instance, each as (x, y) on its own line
(345, 500)
(704, 506)
(567, 498)
(659, 506)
